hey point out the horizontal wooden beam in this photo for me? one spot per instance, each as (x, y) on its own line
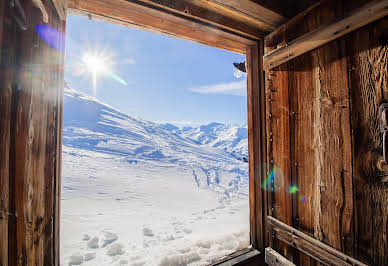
(134, 13)
(248, 11)
(308, 245)
(272, 258)
(242, 256)
(191, 10)
(326, 33)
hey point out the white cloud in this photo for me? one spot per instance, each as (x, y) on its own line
(238, 88)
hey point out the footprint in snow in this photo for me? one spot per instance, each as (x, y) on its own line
(147, 232)
(115, 249)
(93, 243)
(76, 259)
(109, 238)
(89, 256)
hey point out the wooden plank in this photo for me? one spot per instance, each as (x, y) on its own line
(326, 33)
(309, 245)
(191, 10)
(279, 179)
(320, 143)
(302, 143)
(149, 18)
(61, 6)
(278, 146)
(237, 258)
(256, 140)
(368, 79)
(248, 11)
(272, 258)
(31, 106)
(28, 66)
(5, 120)
(287, 9)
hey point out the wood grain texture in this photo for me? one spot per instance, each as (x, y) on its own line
(7, 216)
(325, 33)
(368, 78)
(61, 6)
(302, 138)
(31, 76)
(287, 9)
(247, 11)
(193, 10)
(148, 18)
(336, 156)
(308, 245)
(320, 151)
(256, 140)
(279, 179)
(5, 119)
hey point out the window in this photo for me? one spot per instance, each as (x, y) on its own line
(154, 149)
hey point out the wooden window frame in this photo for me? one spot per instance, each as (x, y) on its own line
(145, 17)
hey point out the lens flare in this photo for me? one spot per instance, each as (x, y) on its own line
(270, 178)
(97, 64)
(51, 36)
(302, 199)
(293, 189)
(118, 79)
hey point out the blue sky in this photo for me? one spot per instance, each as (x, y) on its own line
(155, 77)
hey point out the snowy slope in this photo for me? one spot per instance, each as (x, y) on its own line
(138, 193)
(230, 138)
(92, 125)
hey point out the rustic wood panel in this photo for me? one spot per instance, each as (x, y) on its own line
(326, 33)
(368, 77)
(31, 78)
(278, 177)
(302, 106)
(308, 245)
(323, 12)
(248, 11)
(192, 9)
(6, 75)
(151, 19)
(288, 9)
(256, 140)
(319, 132)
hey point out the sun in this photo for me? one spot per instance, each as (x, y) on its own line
(96, 64)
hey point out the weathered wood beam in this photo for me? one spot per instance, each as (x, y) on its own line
(61, 6)
(256, 143)
(272, 258)
(245, 10)
(189, 9)
(140, 15)
(326, 33)
(240, 257)
(308, 245)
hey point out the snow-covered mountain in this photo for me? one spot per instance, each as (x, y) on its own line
(92, 125)
(139, 193)
(230, 138)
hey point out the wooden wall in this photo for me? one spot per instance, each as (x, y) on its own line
(323, 138)
(31, 85)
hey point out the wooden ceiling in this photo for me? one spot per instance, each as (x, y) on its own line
(226, 24)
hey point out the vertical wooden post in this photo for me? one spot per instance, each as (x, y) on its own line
(256, 143)
(31, 87)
